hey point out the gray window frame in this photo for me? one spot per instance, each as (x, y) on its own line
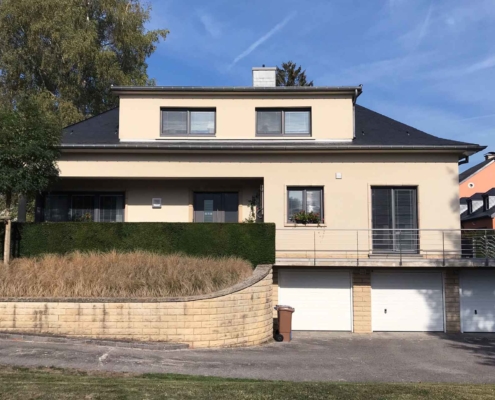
(282, 111)
(304, 189)
(188, 128)
(222, 204)
(380, 234)
(96, 208)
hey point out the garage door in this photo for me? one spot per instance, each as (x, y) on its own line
(322, 299)
(407, 301)
(478, 301)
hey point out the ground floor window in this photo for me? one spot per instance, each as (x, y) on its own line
(395, 219)
(216, 207)
(305, 205)
(84, 207)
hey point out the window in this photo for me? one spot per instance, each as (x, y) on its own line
(304, 200)
(183, 122)
(84, 207)
(394, 217)
(276, 122)
(469, 206)
(486, 203)
(216, 207)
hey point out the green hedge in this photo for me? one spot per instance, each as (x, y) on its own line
(252, 242)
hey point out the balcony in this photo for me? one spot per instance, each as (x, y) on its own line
(304, 246)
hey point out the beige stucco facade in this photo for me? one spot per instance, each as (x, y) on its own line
(347, 200)
(331, 116)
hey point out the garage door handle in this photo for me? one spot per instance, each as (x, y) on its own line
(385, 311)
(475, 312)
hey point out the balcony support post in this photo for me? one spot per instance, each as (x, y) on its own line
(443, 247)
(357, 248)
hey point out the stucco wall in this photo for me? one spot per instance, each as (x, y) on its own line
(177, 195)
(238, 316)
(331, 116)
(347, 201)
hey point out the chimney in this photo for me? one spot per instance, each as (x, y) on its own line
(265, 76)
(490, 155)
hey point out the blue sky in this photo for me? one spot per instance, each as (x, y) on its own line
(428, 63)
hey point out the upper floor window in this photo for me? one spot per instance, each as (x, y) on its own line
(280, 122)
(184, 122)
(486, 203)
(469, 206)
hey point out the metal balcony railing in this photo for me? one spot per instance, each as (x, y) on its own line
(364, 246)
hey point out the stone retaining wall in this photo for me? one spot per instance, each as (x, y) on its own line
(237, 316)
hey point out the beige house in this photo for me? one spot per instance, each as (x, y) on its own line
(366, 208)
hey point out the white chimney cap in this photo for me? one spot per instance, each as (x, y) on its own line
(264, 76)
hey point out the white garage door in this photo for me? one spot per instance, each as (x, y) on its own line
(322, 298)
(478, 301)
(407, 301)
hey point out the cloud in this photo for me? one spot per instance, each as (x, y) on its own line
(477, 117)
(479, 66)
(262, 39)
(211, 26)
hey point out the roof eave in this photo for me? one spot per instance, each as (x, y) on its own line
(351, 90)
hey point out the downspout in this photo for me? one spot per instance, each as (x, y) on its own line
(354, 99)
(464, 160)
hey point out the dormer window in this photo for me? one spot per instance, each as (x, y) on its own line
(283, 122)
(469, 206)
(188, 122)
(486, 203)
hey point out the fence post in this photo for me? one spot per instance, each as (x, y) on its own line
(486, 250)
(443, 247)
(400, 248)
(314, 248)
(357, 248)
(8, 235)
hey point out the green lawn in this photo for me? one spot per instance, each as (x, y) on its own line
(21, 383)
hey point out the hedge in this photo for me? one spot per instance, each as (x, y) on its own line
(252, 242)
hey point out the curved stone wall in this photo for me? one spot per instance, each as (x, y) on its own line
(237, 316)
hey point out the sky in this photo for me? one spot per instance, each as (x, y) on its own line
(427, 63)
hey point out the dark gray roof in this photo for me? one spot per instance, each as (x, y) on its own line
(480, 213)
(374, 131)
(471, 171)
(102, 128)
(373, 128)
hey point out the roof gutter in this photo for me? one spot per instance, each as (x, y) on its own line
(265, 147)
(355, 91)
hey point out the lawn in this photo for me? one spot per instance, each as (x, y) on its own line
(21, 383)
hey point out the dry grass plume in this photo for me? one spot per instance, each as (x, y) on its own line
(134, 274)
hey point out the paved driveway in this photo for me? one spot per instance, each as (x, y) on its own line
(310, 357)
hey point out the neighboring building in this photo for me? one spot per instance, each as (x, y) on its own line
(382, 250)
(479, 178)
(478, 211)
(477, 194)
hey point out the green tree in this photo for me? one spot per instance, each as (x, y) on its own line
(289, 74)
(29, 149)
(68, 53)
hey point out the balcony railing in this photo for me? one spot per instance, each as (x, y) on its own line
(385, 247)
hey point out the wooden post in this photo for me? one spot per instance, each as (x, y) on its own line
(8, 234)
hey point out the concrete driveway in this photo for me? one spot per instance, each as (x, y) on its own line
(310, 357)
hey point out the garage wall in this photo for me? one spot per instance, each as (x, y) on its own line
(452, 304)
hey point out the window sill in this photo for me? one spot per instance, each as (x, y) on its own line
(209, 135)
(289, 225)
(271, 135)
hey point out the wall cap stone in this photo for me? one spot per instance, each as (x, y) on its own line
(259, 273)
